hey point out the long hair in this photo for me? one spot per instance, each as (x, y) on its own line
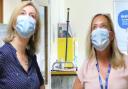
(34, 40)
(116, 57)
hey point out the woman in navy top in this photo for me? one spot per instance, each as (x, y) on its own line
(18, 65)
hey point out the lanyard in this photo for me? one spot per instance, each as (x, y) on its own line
(107, 76)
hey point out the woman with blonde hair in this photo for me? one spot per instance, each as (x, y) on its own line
(105, 67)
(18, 65)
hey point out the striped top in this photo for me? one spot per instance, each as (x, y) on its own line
(12, 74)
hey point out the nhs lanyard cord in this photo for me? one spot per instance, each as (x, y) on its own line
(107, 76)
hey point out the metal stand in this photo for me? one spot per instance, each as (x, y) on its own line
(66, 51)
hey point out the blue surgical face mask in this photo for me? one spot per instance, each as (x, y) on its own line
(25, 26)
(100, 38)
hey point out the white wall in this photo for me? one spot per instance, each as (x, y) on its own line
(81, 12)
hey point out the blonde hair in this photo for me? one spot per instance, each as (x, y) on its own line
(34, 40)
(116, 57)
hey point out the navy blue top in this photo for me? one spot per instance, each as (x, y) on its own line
(12, 74)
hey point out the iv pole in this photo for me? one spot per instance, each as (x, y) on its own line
(66, 51)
